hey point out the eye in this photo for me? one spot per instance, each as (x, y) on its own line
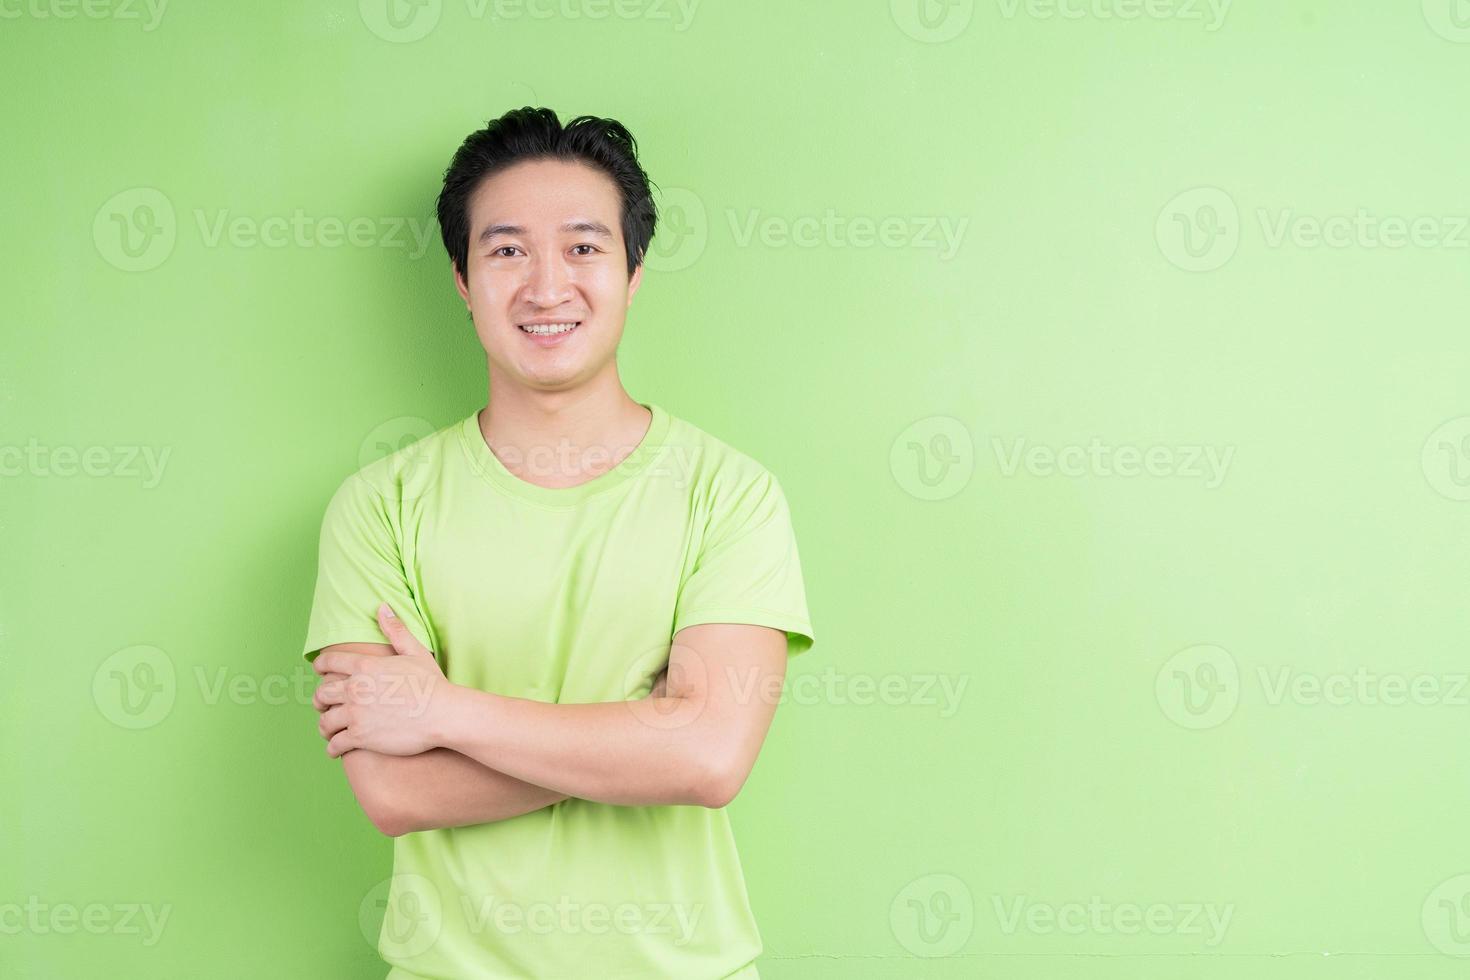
(502, 249)
(593, 247)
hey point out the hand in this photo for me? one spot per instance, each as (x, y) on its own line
(391, 705)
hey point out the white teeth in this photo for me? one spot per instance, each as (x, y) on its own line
(545, 329)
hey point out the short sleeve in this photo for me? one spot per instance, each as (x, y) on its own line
(749, 569)
(359, 566)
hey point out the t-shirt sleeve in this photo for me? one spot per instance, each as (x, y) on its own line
(748, 569)
(359, 566)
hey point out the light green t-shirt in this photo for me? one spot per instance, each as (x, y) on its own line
(566, 595)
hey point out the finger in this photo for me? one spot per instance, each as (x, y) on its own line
(338, 662)
(329, 694)
(340, 743)
(398, 634)
(332, 721)
(316, 695)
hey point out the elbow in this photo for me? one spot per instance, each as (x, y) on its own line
(719, 785)
(369, 777)
(388, 821)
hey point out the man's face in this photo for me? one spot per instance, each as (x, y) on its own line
(546, 244)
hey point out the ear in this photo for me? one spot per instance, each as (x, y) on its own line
(634, 282)
(459, 284)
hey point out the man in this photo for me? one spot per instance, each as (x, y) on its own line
(587, 603)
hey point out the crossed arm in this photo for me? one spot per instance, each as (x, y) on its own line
(441, 755)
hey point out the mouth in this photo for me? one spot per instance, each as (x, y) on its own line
(549, 334)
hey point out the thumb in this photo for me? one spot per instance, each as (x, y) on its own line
(398, 634)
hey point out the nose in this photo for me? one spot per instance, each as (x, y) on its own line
(549, 283)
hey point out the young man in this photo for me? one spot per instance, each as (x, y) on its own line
(592, 604)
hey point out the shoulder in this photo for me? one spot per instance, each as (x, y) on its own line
(393, 475)
(712, 461)
(720, 478)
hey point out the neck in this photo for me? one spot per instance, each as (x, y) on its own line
(562, 438)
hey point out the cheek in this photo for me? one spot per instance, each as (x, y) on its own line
(604, 285)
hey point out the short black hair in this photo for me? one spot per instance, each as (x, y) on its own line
(531, 133)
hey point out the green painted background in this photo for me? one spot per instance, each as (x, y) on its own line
(1134, 515)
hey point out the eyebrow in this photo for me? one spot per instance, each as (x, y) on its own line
(580, 226)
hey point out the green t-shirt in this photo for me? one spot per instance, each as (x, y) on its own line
(566, 595)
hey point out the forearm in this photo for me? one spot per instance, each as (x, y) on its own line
(436, 789)
(651, 752)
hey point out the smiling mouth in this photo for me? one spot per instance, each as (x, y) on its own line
(548, 329)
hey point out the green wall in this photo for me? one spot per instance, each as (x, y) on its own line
(1113, 357)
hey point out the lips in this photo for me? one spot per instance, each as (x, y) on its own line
(549, 329)
(555, 335)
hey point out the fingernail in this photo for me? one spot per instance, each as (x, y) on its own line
(388, 611)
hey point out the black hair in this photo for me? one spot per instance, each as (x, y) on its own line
(531, 133)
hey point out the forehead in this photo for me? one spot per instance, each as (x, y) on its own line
(544, 196)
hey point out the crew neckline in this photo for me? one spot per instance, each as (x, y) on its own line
(489, 466)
